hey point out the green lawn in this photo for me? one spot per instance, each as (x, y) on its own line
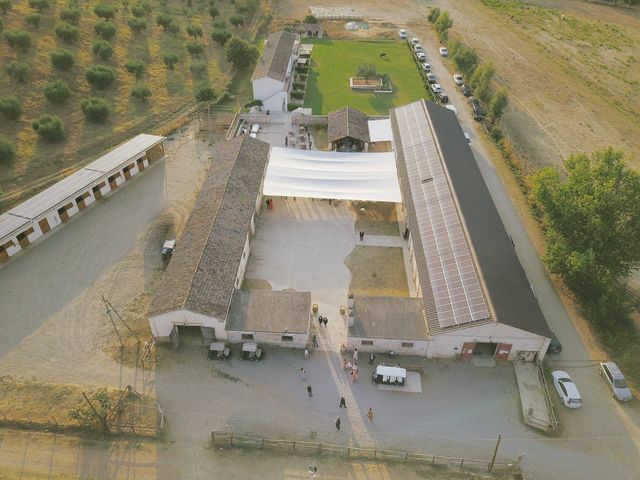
(334, 61)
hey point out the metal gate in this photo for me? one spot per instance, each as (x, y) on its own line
(208, 335)
(174, 337)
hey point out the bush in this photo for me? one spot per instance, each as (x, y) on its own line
(18, 39)
(62, 59)
(310, 19)
(141, 92)
(466, 59)
(195, 49)
(163, 20)
(57, 91)
(39, 4)
(138, 11)
(498, 103)
(95, 109)
(366, 71)
(170, 60)
(135, 67)
(293, 106)
(236, 20)
(298, 85)
(103, 49)
(105, 29)
(1, 25)
(205, 94)
(433, 15)
(49, 127)
(7, 150)
(220, 36)
(71, 15)
(253, 103)
(298, 95)
(67, 33)
(241, 53)
(198, 68)
(18, 71)
(194, 31)
(100, 76)
(220, 24)
(223, 98)
(5, 5)
(214, 12)
(10, 108)
(137, 24)
(105, 11)
(33, 19)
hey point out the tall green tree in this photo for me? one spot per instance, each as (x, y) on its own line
(481, 81)
(241, 53)
(592, 219)
(498, 103)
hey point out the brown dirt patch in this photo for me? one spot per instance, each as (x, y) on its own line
(377, 271)
(319, 134)
(376, 218)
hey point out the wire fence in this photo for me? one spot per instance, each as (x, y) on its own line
(316, 448)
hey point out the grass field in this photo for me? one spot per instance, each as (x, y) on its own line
(334, 61)
(173, 90)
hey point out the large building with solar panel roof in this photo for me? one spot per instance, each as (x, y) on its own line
(475, 294)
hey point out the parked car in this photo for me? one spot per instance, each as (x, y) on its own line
(554, 346)
(418, 48)
(168, 248)
(567, 389)
(402, 33)
(436, 88)
(442, 97)
(615, 380)
(466, 91)
(457, 78)
(444, 52)
(421, 56)
(431, 78)
(466, 135)
(478, 113)
(426, 67)
(415, 41)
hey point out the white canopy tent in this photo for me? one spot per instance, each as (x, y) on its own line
(380, 130)
(335, 175)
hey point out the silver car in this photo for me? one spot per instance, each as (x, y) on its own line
(614, 379)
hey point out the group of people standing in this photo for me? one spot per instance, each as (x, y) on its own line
(269, 203)
(351, 366)
(322, 320)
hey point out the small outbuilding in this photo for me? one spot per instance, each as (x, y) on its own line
(271, 77)
(279, 318)
(308, 30)
(348, 130)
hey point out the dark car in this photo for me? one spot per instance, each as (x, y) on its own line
(554, 346)
(442, 97)
(478, 113)
(466, 91)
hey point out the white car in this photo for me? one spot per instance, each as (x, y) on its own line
(567, 390)
(458, 79)
(431, 78)
(444, 52)
(421, 56)
(415, 41)
(418, 48)
(402, 33)
(436, 88)
(426, 67)
(466, 135)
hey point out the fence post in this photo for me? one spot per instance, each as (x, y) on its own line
(348, 452)
(495, 452)
(231, 440)
(433, 460)
(319, 448)
(462, 463)
(262, 443)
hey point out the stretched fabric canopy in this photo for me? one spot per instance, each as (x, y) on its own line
(380, 130)
(335, 175)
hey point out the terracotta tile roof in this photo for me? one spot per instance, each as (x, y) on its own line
(275, 58)
(201, 275)
(348, 122)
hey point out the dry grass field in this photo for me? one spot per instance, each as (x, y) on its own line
(173, 90)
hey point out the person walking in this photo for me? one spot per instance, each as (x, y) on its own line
(371, 357)
(326, 321)
(338, 423)
(355, 355)
(303, 374)
(343, 402)
(267, 202)
(306, 353)
(344, 363)
(370, 415)
(309, 391)
(361, 236)
(352, 377)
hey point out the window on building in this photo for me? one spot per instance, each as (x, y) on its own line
(407, 344)
(287, 338)
(367, 342)
(247, 336)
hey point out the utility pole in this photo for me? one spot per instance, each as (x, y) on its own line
(110, 308)
(495, 453)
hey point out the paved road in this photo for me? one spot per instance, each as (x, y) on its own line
(602, 439)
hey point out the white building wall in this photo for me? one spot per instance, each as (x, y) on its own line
(449, 345)
(243, 262)
(271, 92)
(161, 325)
(270, 338)
(382, 345)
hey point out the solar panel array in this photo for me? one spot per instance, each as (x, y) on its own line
(455, 285)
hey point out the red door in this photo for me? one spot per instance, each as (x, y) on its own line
(503, 350)
(467, 349)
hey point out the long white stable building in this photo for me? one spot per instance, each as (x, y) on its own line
(43, 213)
